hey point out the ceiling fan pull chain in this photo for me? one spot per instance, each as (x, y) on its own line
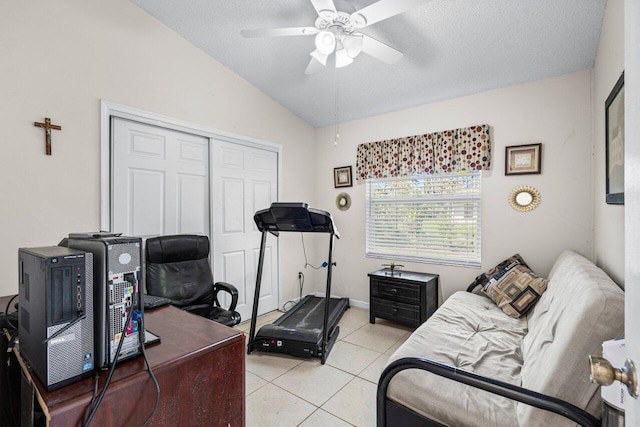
(337, 106)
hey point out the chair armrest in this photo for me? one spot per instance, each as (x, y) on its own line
(230, 289)
(501, 388)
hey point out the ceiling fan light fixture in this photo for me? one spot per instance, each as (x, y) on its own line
(320, 57)
(353, 45)
(342, 58)
(325, 42)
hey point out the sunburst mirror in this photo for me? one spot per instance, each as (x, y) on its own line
(524, 198)
(343, 201)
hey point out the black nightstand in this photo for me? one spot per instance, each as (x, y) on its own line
(402, 296)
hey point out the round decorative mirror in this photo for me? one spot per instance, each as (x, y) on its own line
(524, 198)
(343, 201)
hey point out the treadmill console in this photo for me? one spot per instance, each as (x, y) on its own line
(294, 217)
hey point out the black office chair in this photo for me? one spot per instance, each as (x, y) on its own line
(178, 268)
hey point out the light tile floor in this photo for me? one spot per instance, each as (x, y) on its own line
(288, 391)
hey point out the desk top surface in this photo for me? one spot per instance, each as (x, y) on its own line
(182, 334)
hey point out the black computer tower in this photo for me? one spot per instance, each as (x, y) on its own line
(117, 283)
(56, 313)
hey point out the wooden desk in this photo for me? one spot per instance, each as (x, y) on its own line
(200, 367)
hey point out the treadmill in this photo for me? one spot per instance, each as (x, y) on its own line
(310, 328)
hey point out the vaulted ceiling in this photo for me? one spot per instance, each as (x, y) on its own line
(450, 48)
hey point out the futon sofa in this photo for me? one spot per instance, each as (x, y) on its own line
(441, 374)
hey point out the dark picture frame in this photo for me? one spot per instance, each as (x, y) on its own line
(523, 159)
(614, 143)
(342, 177)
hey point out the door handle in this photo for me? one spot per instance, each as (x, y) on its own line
(603, 373)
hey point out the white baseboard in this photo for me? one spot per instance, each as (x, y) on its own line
(352, 302)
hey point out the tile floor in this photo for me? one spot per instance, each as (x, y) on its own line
(287, 391)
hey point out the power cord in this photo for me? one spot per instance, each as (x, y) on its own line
(301, 285)
(301, 276)
(96, 379)
(6, 314)
(304, 250)
(7, 382)
(66, 328)
(10, 344)
(141, 333)
(96, 404)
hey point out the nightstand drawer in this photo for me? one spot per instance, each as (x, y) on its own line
(403, 292)
(396, 311)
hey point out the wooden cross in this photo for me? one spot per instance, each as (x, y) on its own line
(47, 129)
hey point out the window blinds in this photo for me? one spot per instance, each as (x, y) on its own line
(432, 219)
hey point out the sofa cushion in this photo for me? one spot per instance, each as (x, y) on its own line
(581, 309)
(469, 332)
(512, 286)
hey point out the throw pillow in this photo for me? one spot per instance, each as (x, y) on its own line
(512, 286)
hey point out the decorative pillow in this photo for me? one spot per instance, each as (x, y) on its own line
(512, 286)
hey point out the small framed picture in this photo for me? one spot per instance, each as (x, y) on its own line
(523, 159)
(342, 177)
(614, 122)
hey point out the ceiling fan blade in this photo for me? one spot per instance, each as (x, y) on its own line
(320, 57)
(278, 32)
(380, 10)
(380, 51)
(314, 66)
(325, 8)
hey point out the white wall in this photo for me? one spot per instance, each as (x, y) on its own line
(609, 219)
(58, 60)
(556, 112)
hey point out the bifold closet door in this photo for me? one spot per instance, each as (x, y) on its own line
(245, 180)
(159, 180)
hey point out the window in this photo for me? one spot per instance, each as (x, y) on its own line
(432, 219)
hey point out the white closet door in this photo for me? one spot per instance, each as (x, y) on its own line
(160, 180)
(245, 181)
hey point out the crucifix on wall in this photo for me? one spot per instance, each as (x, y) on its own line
(47, 129)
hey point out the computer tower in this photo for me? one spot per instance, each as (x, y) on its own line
(117, 284)
(56, 313)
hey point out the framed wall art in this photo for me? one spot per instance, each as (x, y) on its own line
(523, 159)
(342, 177)
(614, 130)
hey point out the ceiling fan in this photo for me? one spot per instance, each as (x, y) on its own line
(338, 32)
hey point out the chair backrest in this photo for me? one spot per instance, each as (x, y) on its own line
(178, 268)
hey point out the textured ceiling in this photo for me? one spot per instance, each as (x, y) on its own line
(451, 48)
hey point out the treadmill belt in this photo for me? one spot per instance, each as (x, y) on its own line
(303, 323)
(310, 315)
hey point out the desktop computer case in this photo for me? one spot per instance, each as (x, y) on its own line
(117, 290)
(56, 292)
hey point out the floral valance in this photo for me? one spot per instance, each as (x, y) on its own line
(465, 149)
